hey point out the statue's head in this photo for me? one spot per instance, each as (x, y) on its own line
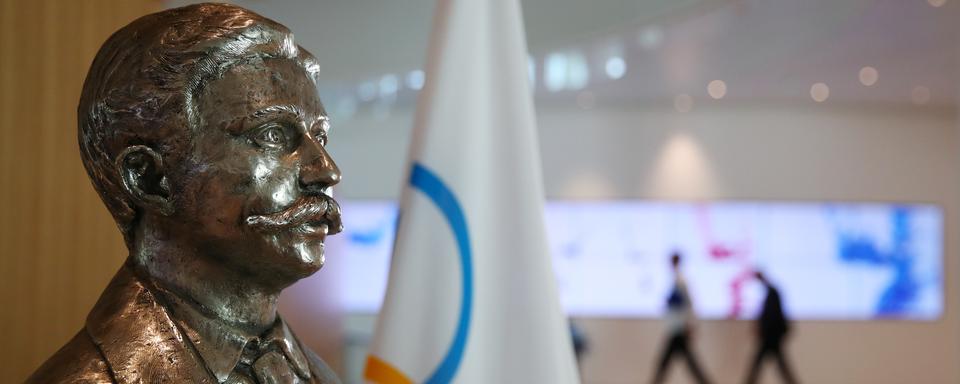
(201, 129)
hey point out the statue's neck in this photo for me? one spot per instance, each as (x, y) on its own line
(204, 282)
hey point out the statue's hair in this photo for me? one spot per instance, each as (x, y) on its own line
(142, 85)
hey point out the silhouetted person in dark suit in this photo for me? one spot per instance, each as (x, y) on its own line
(680, 325)
(772, 329)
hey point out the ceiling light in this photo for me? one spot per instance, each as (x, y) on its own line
(869, 76)
(415, 79)
(717, 89)
(819, 92)
(615, 67)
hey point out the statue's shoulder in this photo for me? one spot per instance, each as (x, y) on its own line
(78, 361)
(128, 338)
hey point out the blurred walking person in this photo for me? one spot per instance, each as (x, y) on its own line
(772, 329)
(680, 319)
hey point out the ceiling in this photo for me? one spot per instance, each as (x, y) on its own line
(764, 50)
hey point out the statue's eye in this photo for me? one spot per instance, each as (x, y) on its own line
(272, 137)
(320, 137)
(320, 132)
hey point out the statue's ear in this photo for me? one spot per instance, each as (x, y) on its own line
(141, 169)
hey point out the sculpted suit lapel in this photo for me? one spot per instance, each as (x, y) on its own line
(138, 339)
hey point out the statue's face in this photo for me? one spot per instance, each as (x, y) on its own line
(254, 191)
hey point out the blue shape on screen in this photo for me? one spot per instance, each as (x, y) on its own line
(371, 236)
(897, 298)
(860, 249)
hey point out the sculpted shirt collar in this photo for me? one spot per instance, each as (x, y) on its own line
(221, 346)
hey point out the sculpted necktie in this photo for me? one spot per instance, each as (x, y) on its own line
(264, 363)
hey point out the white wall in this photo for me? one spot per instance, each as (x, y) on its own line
(777, 152)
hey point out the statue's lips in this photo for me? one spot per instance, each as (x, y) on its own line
(311, 216)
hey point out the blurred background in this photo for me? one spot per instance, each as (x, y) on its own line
(815, 139)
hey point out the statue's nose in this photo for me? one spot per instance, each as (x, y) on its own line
(318, 171)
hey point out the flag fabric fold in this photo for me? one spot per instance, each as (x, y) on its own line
(472, 296)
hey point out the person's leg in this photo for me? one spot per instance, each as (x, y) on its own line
(692, 362)
(757, 360)
(669, 348)
(785, 372)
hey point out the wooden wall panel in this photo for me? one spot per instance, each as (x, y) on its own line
(58, 244)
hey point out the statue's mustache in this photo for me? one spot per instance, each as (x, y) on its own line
(320, 209)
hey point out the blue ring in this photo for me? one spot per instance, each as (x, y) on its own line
(427, 182)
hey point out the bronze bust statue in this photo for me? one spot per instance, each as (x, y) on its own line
(202, 130)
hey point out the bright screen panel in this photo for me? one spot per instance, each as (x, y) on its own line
(848, 261)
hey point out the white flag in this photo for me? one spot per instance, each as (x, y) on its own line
(472, 296)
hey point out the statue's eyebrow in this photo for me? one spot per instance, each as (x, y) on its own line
(263, 115)
(283, 110)
(278, 110)
(324, 122)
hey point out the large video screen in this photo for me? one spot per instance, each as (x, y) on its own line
(845, 261)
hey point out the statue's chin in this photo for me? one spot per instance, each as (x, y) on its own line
(285, 259)
(289, 266)
(308, 255)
